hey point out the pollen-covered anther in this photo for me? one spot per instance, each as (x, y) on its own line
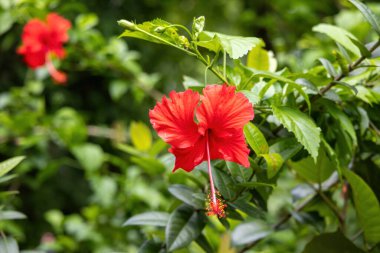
(216, 207)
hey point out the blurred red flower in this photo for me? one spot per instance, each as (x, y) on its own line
(43, 40)
(221, 114)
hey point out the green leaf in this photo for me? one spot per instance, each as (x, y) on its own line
(234, 46)
(150, 246)
(198, 25)
(256, 139)
(249, 232)
(86, 21)
(140, 136)
(258, 58)
(186, 194)
(286, 147)
(6, 22)
(191, 83)
(331, 243)
(351, 88)
(238, 172)
(339, 35)
(156, 31)
(329, 67)
(366, 205)
(11, 215)
(274, 162)
(89, 155)
(256, 184)
(273, 76)
(368, 15)
(315, 172)
(184, 226)
(70, 126)
(10, 164)
(303, 127)
(158, 219)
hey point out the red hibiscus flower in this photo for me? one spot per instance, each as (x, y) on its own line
(218, 133)
(43, 40)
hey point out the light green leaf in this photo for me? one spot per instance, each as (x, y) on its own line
(258, 58)
(256, 139)
(8, 245)
(339, 35)
(6, 21)
(10, 164)
(86, 21)
(198, 25)
(366, 205)
(331, 243)
(303, 127)
(252, 97)
(140, 135)
(11, 215)
(235, 46)
(274, 76)
(191, 83)
(329, 67)
(186, 194)
(158, 219)
(274, 162)
(249, 232)
(184, 226)
(368, 14)
(89, 155)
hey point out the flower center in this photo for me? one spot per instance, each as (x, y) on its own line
(215, 204)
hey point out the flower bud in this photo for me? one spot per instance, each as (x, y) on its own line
(127, 24)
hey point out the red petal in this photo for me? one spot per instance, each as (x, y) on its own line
(188, 158)
(231, 148)
(223, 109)
(58, 28)
(173, 119)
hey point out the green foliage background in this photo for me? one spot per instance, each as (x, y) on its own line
(92, 161)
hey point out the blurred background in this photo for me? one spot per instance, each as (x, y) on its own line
(92, 161)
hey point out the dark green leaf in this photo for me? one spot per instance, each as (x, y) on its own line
(249, 232)
(303, 127)
(331, 243)
(10, 164)
(238, 172)
(256, 139)
(186, 194)
(255, 184)
(204, 244)
(363, 50)
(150, 246)
(159, 219)
(224, 183)
(184, 226)
(368, 15)
(286, 147)
(366, 205)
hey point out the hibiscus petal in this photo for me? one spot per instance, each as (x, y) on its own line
(222, 109)
(173, 119)
(188, 158)
(58, 28)
(232, 148)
